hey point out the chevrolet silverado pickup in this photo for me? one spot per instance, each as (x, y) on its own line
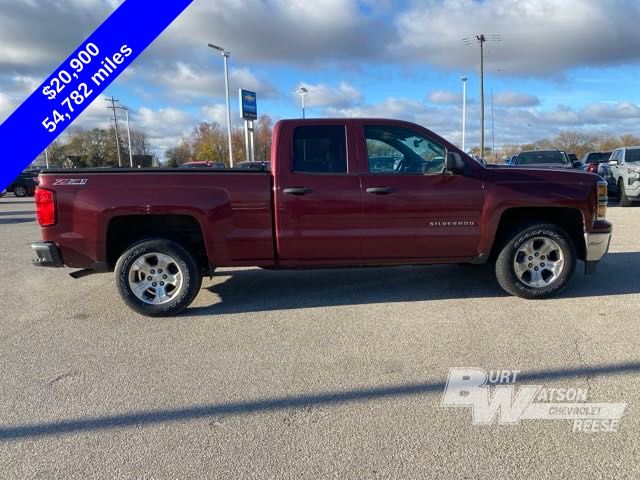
(355, 192)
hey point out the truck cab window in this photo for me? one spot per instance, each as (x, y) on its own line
(397, 150)
(320, 149)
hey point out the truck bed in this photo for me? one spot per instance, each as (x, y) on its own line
(232, 207)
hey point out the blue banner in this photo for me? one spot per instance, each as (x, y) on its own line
(80, 79)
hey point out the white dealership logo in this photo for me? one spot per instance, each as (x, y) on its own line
(492, 396)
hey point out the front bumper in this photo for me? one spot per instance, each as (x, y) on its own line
(47, 255)
(597, 246)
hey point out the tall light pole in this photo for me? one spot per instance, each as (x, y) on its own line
(302, 91)
(126, 111)
(226, 56)
(464, 111)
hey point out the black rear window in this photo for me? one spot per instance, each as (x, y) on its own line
(541, 158)
(320, 149)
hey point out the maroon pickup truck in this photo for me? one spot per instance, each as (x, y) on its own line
(339, 193)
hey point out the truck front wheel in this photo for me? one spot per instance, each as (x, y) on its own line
(157, 277)
(536, 262)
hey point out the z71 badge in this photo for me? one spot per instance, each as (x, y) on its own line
(70, 181)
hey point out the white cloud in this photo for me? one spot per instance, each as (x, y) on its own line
(189, 80)
(541, 37)
(444, 97)
(514, 99)
(321, 95)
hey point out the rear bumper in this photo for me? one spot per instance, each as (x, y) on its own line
(47, 255)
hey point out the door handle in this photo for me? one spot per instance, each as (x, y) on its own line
(380, 190)
(296, 191)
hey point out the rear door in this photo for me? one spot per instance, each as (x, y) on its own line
(317, 195)
(412, 208)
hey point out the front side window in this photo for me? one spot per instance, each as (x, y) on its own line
(632, 156)
(398, 150)
(320, 149)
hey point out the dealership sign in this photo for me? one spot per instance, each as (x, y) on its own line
(248, 105)
(80, 79)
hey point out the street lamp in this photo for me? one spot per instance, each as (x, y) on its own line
(302, 91)
(464, 110)
(226, 56)
(126, 111)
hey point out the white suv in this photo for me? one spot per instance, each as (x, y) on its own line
(624, 168)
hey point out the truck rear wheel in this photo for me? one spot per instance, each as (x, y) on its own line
(157, 277)
(536, 262)
(622, 195)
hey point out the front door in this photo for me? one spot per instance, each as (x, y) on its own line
(412, 208)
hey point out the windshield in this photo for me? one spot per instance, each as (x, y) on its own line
(632, 156)
(598, 157)
(538, 158)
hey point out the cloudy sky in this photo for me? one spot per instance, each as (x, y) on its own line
(559, 64)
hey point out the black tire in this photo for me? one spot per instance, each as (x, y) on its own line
(20, 191)
(622, 195)
(506, 272)
(184, 260)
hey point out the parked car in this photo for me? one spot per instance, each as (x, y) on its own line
(24, 184)
(216, 165)
(596, 162)
(321, 205)
(253, 166)
(543, 159)
(624, 170)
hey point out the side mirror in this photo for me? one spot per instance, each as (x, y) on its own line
(577, 164)
(613, 163)
(454, 163)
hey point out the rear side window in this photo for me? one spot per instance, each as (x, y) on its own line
(320, 149)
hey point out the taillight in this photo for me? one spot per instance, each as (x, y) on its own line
(45, 207)
(603, 200)
(593, 168)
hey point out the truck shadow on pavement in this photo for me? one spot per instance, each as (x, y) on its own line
(254, 290)
(163, 416)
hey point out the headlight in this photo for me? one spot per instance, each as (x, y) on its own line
(603, 200)
(633, 174)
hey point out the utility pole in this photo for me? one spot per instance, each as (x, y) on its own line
(482, 39)
(115, 121)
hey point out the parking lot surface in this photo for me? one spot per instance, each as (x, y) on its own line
(308, 374)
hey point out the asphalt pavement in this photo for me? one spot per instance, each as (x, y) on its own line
(308, 374)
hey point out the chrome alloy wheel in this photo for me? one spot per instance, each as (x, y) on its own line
(539, 262)
(156, 278)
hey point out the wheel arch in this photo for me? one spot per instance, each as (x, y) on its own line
(125, 230)
(569, 219)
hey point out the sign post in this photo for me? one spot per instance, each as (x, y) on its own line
(249, 113)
